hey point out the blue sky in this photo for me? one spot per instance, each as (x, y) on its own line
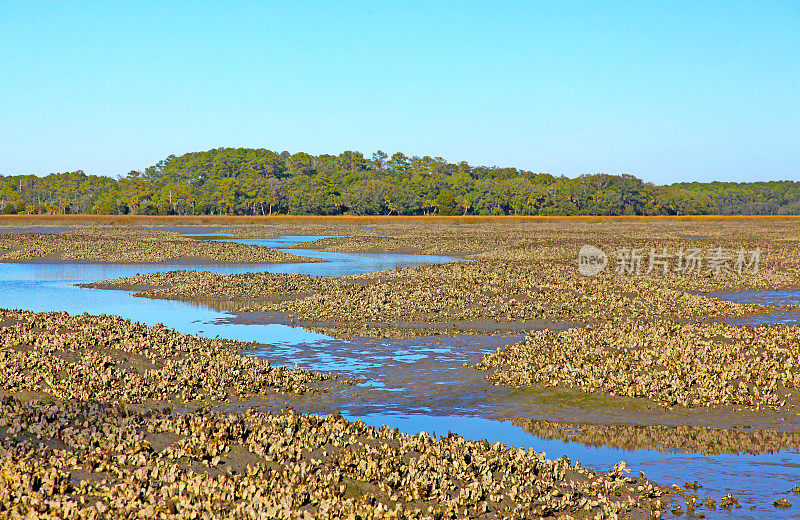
(667, 91)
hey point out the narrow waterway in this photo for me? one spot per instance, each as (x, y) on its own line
(418, 384)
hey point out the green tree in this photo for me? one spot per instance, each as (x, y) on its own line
(445, 203)
(10, 200)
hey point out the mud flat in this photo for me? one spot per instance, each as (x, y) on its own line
(521, 274)
(640, 336)
(85, 432)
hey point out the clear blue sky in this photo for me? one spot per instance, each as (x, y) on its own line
(667, 91)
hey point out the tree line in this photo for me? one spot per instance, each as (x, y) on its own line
(245, 181)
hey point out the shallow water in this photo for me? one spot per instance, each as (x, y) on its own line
(771, 298)
(417, 384)
(336, 264)
(774, 298)
(756, 480)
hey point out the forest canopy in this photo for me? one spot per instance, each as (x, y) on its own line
(246, 181)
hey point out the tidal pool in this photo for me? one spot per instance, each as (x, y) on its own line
(418, 384)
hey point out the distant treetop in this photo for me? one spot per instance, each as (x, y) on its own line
(246, 181)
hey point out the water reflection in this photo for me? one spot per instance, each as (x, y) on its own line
(757, 480)
(338, 264)
(772, 298)
(780, 298)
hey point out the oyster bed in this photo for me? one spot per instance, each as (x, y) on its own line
(78, 449)
(125, 244)
(689, 364)
(641, 337)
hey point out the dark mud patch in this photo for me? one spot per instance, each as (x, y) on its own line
(254, 318)
(428, 328)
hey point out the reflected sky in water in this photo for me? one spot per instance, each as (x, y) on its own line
(41, 287)
(757, 480)
(771, 298)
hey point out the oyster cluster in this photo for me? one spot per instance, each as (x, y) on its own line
(114, 359)
(254, 289)
(123, 245)
(521, 275)
(91, 460)
(494, 295)
(688, 364)
(477, 296)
